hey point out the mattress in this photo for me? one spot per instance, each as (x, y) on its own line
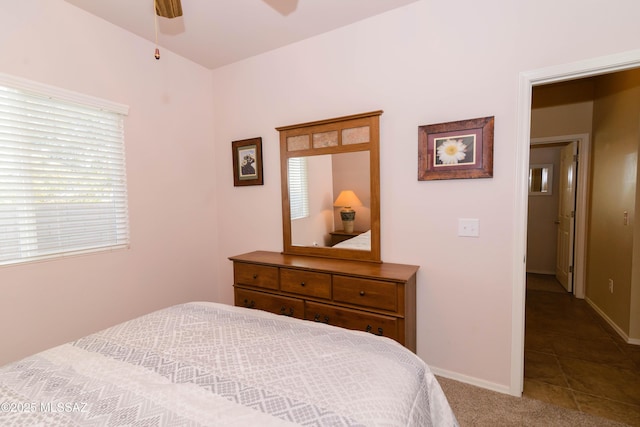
(209, 364)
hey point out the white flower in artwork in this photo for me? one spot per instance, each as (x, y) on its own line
(452, 151)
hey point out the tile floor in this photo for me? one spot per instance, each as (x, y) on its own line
(574, 359)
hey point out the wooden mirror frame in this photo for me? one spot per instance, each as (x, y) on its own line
(287, 150)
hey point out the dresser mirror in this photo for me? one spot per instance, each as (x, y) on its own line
(330, 172)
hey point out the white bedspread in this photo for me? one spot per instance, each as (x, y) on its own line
(360, 242)
(207, 364)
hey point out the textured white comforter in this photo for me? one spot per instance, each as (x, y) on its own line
(207, 364)
(360, 242)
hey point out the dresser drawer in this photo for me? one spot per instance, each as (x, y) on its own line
(352, 319)
(273, 303)
(305, 283)
(255, 275)
(365, 293)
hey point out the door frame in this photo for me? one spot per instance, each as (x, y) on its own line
(528, 79)
(582, 208)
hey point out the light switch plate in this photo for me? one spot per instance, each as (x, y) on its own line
(468, 227)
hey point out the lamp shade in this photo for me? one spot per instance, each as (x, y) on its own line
(347, 198)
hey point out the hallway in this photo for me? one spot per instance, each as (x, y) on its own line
(574, 359)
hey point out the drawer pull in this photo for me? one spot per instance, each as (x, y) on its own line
(283, 311)
(249, 304)
(380, 331)
(361, 293)
(302, 284)
(317, 318)
(255, 276)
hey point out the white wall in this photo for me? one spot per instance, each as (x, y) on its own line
(429, 62)
(171, 179)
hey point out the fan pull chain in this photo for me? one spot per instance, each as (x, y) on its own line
(155, 16)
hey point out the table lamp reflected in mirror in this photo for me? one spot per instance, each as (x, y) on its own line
(347, 200)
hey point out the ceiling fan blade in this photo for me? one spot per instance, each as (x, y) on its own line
(283, 7)
(168, 8)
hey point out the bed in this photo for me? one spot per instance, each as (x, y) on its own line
(360, 242)
(209, 364)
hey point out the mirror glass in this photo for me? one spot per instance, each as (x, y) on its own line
(316, 219)
(540, 179)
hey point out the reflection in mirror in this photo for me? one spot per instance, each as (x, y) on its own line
(315, 221)
(540, 179)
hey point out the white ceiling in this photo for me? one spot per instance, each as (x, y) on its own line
(214, 33)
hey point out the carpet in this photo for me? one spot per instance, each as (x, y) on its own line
(475, 406)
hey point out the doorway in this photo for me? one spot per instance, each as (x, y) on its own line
(528, 80)
(552, 249)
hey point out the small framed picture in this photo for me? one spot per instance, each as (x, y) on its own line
(247, 162)
(454, 150)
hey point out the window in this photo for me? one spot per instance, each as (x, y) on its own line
(62, 173)
(298, 188)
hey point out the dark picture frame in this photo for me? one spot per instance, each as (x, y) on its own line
(456, 150)
(247, 162)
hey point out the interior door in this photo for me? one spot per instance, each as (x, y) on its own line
(566, 214)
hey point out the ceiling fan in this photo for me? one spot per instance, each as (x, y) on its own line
(173, 9)
(168, 8)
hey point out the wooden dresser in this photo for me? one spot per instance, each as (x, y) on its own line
(376, 297)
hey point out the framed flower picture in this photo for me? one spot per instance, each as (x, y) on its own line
(454, 150)
(247, 162)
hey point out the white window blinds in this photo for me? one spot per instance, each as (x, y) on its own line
(298, 188)
(62, 173)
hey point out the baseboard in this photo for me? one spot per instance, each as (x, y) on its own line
(611, 323)
(500, 388)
